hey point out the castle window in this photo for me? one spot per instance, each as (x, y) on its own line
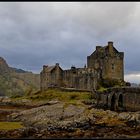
(113, 66)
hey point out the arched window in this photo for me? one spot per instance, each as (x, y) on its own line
(106, 102)
(113, 103)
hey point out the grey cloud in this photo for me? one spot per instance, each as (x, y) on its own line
(36, 33)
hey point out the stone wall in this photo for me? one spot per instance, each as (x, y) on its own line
(80, 78)
(126, 98)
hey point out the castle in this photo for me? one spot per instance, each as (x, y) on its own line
(104, 63)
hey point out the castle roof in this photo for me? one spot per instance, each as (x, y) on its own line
(104, 50)
(49, 68)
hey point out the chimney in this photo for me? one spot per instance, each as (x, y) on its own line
(98, 48)
(57, 64)
(45, 66)
(110, 45)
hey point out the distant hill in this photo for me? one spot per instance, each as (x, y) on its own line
(15, 81)
(134, 85)
(19, 70)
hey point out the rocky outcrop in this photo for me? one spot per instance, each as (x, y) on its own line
(4, 68)
(63, 116)
(62, 120)
(131, 118)
(56, 116)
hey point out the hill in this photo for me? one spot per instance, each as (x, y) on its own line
(16, 82)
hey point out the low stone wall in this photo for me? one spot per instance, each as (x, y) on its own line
(70, 89)
(74, 90)
(125, 98)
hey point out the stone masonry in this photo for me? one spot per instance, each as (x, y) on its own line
(107, 61)
(104, 62)
(119, 98)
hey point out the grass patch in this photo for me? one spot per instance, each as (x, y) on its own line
(56, 94)
(111, 122)
(101, 89)
(73, 97)
(10, 125)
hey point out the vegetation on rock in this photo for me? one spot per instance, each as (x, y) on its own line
(10, 125)
(108, 83)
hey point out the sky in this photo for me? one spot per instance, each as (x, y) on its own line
(33, 34)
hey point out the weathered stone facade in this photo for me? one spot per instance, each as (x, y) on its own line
(120, 99)
(107, 61)
(104, 62)
(51, 76)
(80, 78)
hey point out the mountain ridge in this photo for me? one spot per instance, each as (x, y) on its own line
(16, 82)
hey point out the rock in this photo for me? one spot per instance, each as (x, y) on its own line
(124, 116)
(25, 100)
(55, 117)
(68, 117)
(132, 119)
(51, 102)
(1, 98)
(72, 110)
(6, 100)
(131, 116)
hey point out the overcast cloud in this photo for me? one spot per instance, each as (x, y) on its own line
(36, 33)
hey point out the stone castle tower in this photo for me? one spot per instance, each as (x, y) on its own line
(104, 63)
(107, 61)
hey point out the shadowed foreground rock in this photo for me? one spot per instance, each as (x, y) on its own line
(61, 120)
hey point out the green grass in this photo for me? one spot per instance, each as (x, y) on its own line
(10, 125)
(56, 94)
(69, 97)
(101, 89)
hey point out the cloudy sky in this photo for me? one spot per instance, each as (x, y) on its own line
(36, 33)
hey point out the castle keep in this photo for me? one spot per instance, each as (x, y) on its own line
(107, 61)
(104, 63)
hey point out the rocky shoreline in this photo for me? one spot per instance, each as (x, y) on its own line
(56, 119)
(94, 132)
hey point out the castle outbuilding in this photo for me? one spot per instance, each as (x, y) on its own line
(104, 63)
